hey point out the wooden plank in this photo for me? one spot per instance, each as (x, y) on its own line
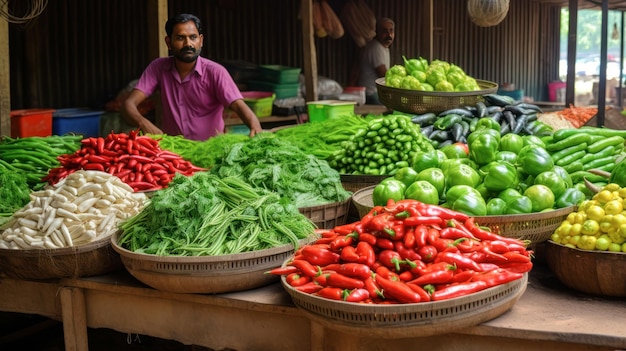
(74, 319)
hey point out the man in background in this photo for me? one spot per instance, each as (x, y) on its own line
(374, 59)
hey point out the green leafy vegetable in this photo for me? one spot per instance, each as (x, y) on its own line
(204, 215)
(14, 193)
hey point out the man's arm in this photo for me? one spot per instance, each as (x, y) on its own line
(381, 70)
(247, 116)
(131, 114)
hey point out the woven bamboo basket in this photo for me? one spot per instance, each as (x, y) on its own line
(355, 182)
(204, 274)
(93, 258)
(600, 273)
(534, 227)
(328, 216)
(415, 101)
(409, 320)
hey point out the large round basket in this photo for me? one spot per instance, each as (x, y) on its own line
(592, 272)
(355, 182)
(93, 258)
(204, 274)
(415, 101)
(409, 320)
(534, 227)
(328, 215)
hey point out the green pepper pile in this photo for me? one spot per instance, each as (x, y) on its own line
(383, 146)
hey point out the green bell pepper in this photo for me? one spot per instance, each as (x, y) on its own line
(461, 174)
(496, 206)
(413, 65)
(500, 175)
(436, 177)
(511, 142)
(509, 194)
(388, 188)
(553, 181)
(533, 140)
(483, 147)
(427, 159)
(406, 175)
(519, 205)
(396, 71)
(423, 191)
(456, 150)
(466, 199)
(533, 159)
(488, 122)
(508, 156)
(570, 197)
(564, 174)
(410, 83)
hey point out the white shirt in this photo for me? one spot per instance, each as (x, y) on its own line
(373, 55)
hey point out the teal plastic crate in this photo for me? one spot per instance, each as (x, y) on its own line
(282, 91)
(328, 109)
(279, 74)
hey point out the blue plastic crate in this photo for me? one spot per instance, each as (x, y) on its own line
(76, 121)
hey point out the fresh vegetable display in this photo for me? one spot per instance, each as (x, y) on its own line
(83, 207)
(383, 146)
(33, 157)
(270, 163)
(437, 75)
(598, 224)
(405, 252)
(136, 159)
(204, 214)
(498, 112)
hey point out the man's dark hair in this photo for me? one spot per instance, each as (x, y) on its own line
(182, 18)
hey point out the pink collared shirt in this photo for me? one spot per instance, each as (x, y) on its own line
(192, 107)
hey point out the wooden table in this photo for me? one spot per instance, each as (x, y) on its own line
(547, 316)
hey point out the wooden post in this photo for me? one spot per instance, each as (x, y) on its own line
(310, 52)
(5, 77)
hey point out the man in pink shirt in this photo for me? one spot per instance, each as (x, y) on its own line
(194, 90)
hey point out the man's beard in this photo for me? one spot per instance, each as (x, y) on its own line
(183, 55)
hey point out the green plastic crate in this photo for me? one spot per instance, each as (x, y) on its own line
(261, 102)
(279, 74)
(282, 91)
(328, 109)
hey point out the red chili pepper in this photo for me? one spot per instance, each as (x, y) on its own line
(372, 287)
(353, 270)
(517, 267)
(386, 273)
(497, 277)
(443, 276)
(340, 242)
(441, 212)
(381, 221)
(455, 233)
(305, 267)
(485, 235)
(368, 238)
(283, 270)
(349, 254)
(322, 278)
(421, 235)
(425, 220)
(345, 229)
(331, 293)
(497, 246)
(427, 253)
(461, 276)
(295, 279)
(356, 295)
(390, 259)
(342, 281)
(458, 290)
(442, 244)
(406, 254)
(409, 238)
(406, 276)
(94, 167)
(492, 256)
(319, 256)
(309, 288)
(516, 257)
(459, 260)
(384, 243)
(424, 295)
(398, 290)
(366, 253)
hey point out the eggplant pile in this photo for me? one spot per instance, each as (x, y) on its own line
(497, 111)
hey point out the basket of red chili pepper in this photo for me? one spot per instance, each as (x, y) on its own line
(407, 269)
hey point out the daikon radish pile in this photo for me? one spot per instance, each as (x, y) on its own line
(83, 207)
